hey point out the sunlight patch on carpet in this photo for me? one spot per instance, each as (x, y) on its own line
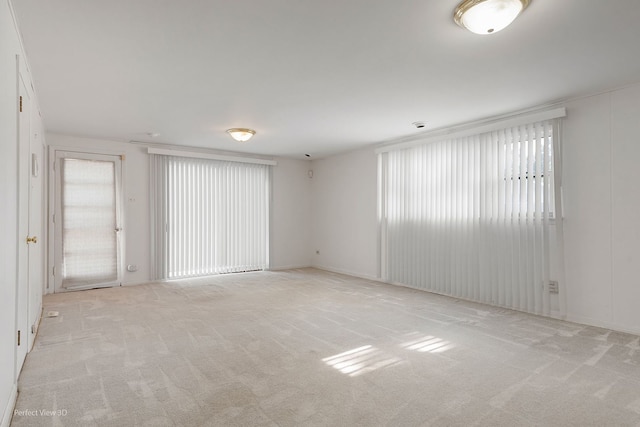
(428, 344)
(361, 360)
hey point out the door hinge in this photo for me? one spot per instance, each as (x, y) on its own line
(53, 218)
(53, 271)
(18, 337)
(21, 103)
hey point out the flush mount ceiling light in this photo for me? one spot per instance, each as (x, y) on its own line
(241, 134)
(488, 16)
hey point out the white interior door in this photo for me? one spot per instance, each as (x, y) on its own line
(22, 295)
(36, 226)
(87, 221)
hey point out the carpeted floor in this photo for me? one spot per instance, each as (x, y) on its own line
(310, 348)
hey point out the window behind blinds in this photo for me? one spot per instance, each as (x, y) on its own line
(471, 217)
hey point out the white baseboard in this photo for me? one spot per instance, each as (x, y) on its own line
(137, 283)
(288, 267)
(11, 404)
(32, 336)
(602, 324)
(347, 272)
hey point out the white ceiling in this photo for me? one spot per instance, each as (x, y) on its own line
(314, 77)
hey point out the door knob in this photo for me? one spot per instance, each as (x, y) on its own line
(32, 239)
(118, 228)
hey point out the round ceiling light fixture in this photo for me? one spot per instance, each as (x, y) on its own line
(241, 134)
(488, 16)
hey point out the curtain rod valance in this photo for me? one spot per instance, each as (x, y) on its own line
(196, 155)
(473, 129)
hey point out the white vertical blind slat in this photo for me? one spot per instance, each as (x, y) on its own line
(547, 207)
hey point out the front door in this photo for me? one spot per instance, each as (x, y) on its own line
(87, 221)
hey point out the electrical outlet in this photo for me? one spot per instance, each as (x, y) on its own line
(132, 267)
(553, 287)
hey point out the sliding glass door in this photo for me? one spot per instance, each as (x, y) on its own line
(209, 216)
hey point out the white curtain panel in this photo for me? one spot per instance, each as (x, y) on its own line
(471, 217)
(208, 216)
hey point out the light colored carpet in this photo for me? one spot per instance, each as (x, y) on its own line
(310, 348)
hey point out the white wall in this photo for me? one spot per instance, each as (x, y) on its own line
(625, 180)
(290, 214)
(602, 209)
(344, 213)
(587, 219)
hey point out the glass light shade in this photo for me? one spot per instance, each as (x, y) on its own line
(488, 16)
(241, 134)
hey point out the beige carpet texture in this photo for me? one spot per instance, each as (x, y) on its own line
(312, 348)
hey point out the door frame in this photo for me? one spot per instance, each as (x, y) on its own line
(54, 213)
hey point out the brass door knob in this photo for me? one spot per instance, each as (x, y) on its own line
(32, 239)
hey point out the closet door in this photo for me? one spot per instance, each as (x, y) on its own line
(24, 239)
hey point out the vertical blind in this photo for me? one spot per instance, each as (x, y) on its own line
(471, 217)
(208, 216)
(89, 253)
